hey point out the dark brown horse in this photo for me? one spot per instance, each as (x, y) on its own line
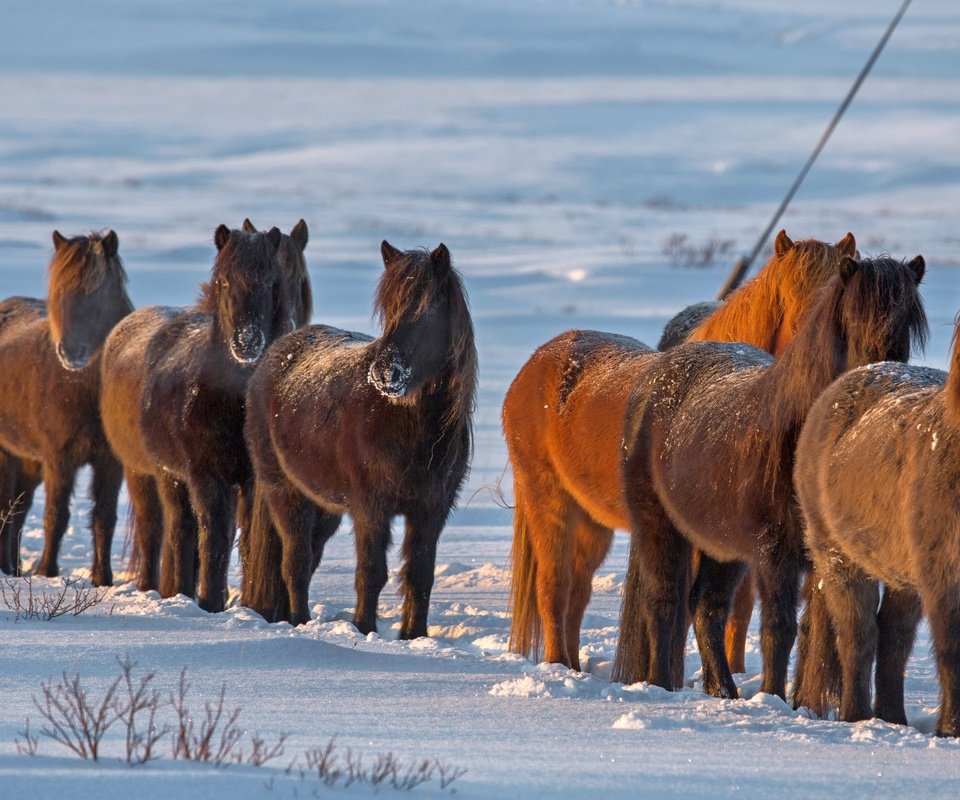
(709, 439)
(563, 422)
(765, 313)
(341, 423)
(900, 426)
(197, 365)
(49, 415)
(122, 376)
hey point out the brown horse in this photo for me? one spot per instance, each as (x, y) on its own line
(49, 416)
(122, 378)
(708, 455)
(394, 439)
(768, 320)
(563, 422)
(901, 426)
(196, 369)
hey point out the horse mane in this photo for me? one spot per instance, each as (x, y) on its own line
(875, 297)
(755, 311)
(952, 388)
(80, 264)
(408, 288)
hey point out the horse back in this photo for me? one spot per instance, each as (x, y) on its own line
(563, 417)
(875, 471)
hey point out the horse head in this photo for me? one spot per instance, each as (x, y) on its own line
(245, 294)
(86, 295)
(421, 302)
(293, 268)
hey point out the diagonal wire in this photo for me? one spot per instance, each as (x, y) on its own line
(741, 267)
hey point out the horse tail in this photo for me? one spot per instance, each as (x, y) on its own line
(632, 659)
(817, 681)
(261, 587)
(526, 631)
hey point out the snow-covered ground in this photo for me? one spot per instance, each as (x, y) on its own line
(555, 147)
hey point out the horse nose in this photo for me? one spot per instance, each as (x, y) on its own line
(247, 343)
(76, 358)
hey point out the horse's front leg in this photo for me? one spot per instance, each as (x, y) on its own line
(178, 565)
(942, 607)
(291, 515)
(107, 478)
(710, 600)
(58, 483)
(419, 560)
(214, 504)
(372, 535)
(778, 579)
(148, 528)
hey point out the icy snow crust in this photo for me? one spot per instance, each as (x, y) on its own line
(553, 148)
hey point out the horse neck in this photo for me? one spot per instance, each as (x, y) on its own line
(952, 389)
(752, 315)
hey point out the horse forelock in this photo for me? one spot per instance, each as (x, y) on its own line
(80, 265)
(246, 260)
(781, 291)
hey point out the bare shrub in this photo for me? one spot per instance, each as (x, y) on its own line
(28, 747)
(72, 597)
(261, 752)
(141, 739)
(325, 762)
(682, 252)
(216, 740)
(73, 720)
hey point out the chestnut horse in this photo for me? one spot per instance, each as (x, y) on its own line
(708, 461)
(49, 416)
(563, 422)
(901, 426)
(122, 378)
(196, 369)
(777, 304)
(340, 423)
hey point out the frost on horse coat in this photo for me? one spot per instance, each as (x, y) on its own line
(339, 423)
(49, 414)
(709, 442)
(877, 471)
(563, 422)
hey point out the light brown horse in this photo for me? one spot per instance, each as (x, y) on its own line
(49, 415)
(563, 422)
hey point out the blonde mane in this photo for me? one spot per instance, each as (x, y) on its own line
(779, 295)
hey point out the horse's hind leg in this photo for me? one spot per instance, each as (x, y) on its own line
(710, 600)
(322, 526)
(735, 635)
(897, 625)
(178, 564)
(107, 478)
(10, 512)
(778, 579)
(851, 598)
(419, 561)
(290, 512)
(58, 483)
(372, 535)
(147, 528)
(943, 612)
(591, 543)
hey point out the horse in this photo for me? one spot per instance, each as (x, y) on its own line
(902, 424)
(122, 386)
(339, 422)
(563, 424)
(776, 303)
(195, 371)
(49, 416)
(709, 438)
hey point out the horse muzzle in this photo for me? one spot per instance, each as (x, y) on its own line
(247, 344)
(74, 359)
(389, 375)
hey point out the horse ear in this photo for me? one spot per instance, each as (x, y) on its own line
(389, 253)
(274, 236)
(220, 236)
(300, 234)
(918, 266)
(58, 240)
(848, 268)
(783, 243)
(110, 244)
(848, 245)
(440, 258)
(248, 226)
